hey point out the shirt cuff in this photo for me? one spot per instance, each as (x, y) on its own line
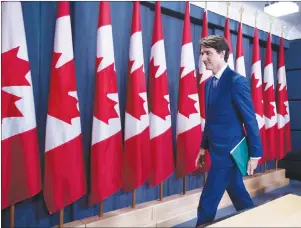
(255, 158)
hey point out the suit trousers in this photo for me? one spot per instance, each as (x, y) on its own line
(219, 180)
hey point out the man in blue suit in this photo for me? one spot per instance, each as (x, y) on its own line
(228, 107)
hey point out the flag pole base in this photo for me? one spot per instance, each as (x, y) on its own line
(12, 216)
(134, 199)
(101, 209)
(184, 185)
(61, 224)
(161, 191)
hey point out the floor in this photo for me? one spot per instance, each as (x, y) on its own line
(294, 187)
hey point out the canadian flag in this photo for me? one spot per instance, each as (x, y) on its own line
(227, 36)
(188, 116)
(106, 151)
(203, 77)
(159, 108)
(256, 86)
(240, 60)
(64, 180)
(283, 117)
(20, 160)
(137, 159)
(270, 113)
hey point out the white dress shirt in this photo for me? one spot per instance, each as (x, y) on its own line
(220, 72)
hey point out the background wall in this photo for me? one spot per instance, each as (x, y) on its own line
(293, 73)
(39, 18)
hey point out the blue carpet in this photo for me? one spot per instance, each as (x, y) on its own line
(294, 187)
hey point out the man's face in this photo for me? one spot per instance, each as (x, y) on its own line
(212, 59)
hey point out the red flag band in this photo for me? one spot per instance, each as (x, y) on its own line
(203, 77)
(64, 179)
(256, 88)
(270, 113)
(227, 36)
(160, 118)
(240, 60)
(283, 116)
(20, 160)
(106, 150)
(137, 166)
(188, 116)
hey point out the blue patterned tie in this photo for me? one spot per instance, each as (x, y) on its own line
(214, 82)
(213, 88)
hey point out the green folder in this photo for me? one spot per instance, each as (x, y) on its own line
(240, 155)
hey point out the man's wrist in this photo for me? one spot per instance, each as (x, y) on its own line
(201, 160)
(202, 151)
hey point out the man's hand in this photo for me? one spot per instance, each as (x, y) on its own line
(200, 160)
(252, 164)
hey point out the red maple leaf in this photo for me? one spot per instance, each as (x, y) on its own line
(269, 97)
(61, 104)
(201, 91)
(13, 72)
(257, 96)
(136, 85)
(8, 107)
(158, 105)
(187, 87)
(105, 84)
(282, 97)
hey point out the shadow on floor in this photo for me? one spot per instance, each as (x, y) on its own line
(294, 188)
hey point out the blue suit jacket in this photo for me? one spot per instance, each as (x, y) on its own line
(225, 115)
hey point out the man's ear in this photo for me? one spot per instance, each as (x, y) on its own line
(223, 53)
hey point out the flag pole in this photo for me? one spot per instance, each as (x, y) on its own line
(12, 216)
(134, 199)
(184, 185)
(205, 173)
(61, 218)
(271, 22)
(241, 12)
(255, 24)
(161, 191)
(228, 6)
(282, 31)
(255, 16)
(101, 209)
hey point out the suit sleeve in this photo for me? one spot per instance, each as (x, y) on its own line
(242, 99)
